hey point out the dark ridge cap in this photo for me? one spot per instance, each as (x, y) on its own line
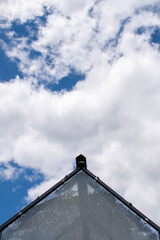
(81, 161)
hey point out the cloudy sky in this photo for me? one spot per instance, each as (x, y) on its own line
(79, 76)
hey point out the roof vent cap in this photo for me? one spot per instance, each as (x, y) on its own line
(81, 161)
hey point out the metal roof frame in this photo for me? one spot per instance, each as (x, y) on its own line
(81, 166)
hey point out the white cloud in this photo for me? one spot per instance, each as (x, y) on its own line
(112, 117)
(40, 189)
(7, 172)
(75, 39)
(21, 10)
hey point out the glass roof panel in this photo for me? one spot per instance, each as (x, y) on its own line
(83, 210)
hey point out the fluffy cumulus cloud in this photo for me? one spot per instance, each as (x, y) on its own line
(112, 116)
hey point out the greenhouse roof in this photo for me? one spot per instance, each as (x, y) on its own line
(80, 207)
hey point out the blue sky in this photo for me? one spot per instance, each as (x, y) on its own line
(79, 77)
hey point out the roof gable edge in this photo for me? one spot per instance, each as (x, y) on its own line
(37, 200)
(61, 182)
(120, 198)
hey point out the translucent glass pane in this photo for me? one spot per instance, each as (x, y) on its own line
(80, 210)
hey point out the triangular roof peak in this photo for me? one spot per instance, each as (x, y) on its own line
(80, 207)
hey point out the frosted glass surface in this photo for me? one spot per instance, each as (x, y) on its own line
(80, 210)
